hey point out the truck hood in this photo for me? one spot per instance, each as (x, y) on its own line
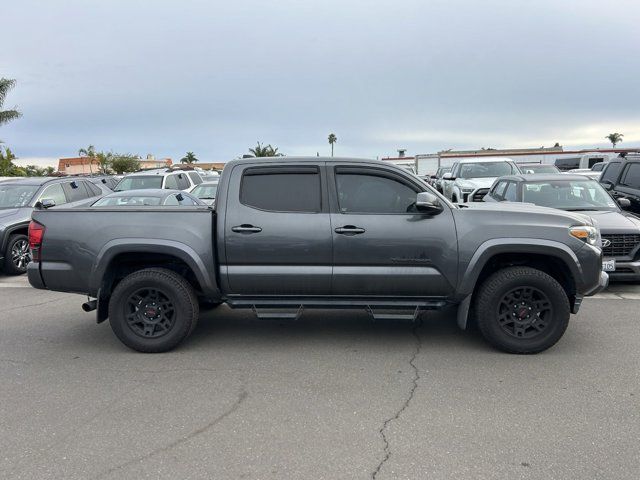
(474, 183)
(614, 222)
(519, 207)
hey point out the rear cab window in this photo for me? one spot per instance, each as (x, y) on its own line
(282, 189)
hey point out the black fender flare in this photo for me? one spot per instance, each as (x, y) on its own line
(205, 274)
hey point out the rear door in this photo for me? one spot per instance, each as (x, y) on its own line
(383, 246)
(277, 230)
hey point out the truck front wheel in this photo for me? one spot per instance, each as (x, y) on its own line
(153, 310)
(522, 310)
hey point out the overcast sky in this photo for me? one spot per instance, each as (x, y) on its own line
(214, 77)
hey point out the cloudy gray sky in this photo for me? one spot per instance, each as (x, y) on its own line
(214, 77)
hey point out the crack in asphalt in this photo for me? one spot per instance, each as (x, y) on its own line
(405, 404)
(232, 408)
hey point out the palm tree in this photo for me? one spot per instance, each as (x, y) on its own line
(189, 158)
(332, 139)
(265, 151)
(90, 153)
(614, 138)
(7, 115)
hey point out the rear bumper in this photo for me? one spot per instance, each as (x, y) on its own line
(33, 274)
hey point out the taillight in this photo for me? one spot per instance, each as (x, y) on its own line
(36, 233)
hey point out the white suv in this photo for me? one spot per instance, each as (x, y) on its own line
(470, 180)
(160, 178)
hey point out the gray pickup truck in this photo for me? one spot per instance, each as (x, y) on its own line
(293, 233)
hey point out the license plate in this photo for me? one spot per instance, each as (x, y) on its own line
(609, 265)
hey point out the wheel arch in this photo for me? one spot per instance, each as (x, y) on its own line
(553, 258)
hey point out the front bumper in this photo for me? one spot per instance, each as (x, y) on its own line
(626, 270)
(603, 283)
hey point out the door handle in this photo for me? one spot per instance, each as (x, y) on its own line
(246, 228)
(349, 230)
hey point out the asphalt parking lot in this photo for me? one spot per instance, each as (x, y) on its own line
(332, 396)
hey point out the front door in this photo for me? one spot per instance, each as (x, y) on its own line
(382, 245)
(277, 231)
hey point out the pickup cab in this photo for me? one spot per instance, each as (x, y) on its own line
(288, 234)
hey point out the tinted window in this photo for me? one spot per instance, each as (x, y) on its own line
(195, 178)
(281, 189)
(372, 193)
(510, 192)
(54, 192)
(93, 190)
(75, 191)
(598, 167)
(611, 172)
(568, 163)
(183, 181)
(631, 177)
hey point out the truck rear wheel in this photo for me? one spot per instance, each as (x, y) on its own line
(522, 310)
(153, 310)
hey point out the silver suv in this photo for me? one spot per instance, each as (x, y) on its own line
(160, 178)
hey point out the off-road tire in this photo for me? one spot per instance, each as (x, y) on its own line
(489, 302)
(9, 267)
(171, 286)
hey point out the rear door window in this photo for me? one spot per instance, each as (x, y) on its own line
(171, 182)
(75, 191)
(631, 176)
(282, 189)
(183, 181)
(610, 174)
(498, 190)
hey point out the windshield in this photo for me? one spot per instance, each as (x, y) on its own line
(139, 182)
(133, 200)
(539, 168)
(568, 195)
(485, 169)
(13, 196)
(205, 191)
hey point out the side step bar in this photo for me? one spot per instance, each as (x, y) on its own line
(378, 309)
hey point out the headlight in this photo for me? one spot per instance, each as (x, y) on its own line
(586, 233)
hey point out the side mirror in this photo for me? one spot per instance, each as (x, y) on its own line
(427, 202)
(624, 203)
(607, 185)
(45, 203)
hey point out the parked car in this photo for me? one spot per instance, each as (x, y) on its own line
(160, 178)
(108, 181)
(620, 230)
(622, 179)
(535, 168)
(469, 180)
(150, 197)
(17, 199)
(292, 233)
(594, 172)
(206, 192)
(583, 162)
(436, 179)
